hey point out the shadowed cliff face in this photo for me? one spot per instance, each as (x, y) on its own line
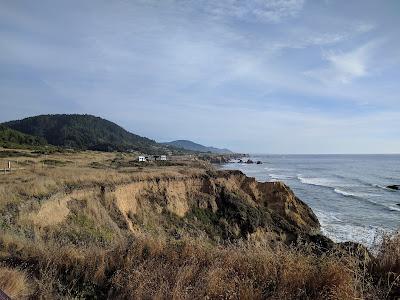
(224, 204)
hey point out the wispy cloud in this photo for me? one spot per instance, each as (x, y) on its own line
(344, 67)
(272, 11)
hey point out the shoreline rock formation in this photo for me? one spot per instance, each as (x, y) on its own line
(394, 187)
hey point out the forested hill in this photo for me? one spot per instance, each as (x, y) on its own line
(84, 132)
(12, 138)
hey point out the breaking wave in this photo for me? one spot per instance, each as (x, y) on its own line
(317, 181)
(395, 208)
(354, 194)
(280, 177)
(346, 194)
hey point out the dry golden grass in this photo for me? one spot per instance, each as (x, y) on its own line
(385, 267)
(14, 283)
(150, 268)
(40, 181)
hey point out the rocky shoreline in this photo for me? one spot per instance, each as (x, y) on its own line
(221, 158)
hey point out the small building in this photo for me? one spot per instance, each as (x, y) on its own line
(141, 158)
(163, 157)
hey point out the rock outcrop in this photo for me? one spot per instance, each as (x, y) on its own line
(224, 204)
(394, 187)
(221, 158)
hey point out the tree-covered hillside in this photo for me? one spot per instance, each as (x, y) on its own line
(84, 132)
(13, 138)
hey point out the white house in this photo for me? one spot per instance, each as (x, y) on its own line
(163, 157)
(141, 158)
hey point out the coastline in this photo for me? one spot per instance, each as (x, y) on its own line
(123, 227)
(351, 204)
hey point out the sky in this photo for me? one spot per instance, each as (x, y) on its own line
(255, 76)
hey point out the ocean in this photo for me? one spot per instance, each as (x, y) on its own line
(347, 192)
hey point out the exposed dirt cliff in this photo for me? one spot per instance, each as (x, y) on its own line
(224, 204)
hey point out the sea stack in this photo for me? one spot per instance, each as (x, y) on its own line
(394, 187)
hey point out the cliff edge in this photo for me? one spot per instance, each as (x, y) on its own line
(224, 205)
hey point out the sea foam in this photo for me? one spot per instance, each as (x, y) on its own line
(316, 181)
(280, 177)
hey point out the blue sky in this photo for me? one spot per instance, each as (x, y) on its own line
(261, 76)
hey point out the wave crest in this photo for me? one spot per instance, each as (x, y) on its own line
(280, 177)
(316, 181)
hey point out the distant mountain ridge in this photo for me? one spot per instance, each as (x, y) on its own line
(84, 132)
(192, 146)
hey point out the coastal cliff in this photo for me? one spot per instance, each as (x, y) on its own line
(224, 204)
(101, 225)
